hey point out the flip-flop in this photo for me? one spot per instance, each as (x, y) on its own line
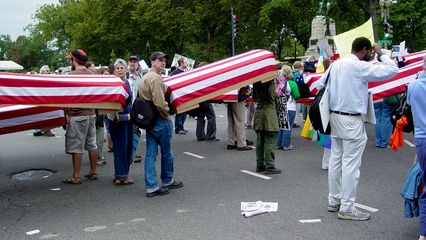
(91, 176)
(71, 180)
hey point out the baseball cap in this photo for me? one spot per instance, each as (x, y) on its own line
(158, 55)
(78, 55)
(134, 57)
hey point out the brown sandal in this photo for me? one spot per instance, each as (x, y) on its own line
(91, 176)
(71, 180)
(122, 181)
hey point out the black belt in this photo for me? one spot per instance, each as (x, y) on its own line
(345, 113)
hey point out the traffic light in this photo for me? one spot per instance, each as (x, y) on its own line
(234, 26)
(387, 28)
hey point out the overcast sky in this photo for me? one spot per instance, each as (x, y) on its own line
(16, 14)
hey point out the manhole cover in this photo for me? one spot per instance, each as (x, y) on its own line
(30, 175)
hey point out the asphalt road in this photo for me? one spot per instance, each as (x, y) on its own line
(208, 206)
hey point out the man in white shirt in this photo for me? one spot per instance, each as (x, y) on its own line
(348, 85)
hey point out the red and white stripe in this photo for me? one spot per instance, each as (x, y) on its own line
(214, 79)
(61, 89)
(397, 84)
(15, 118)
(231, 96)
(414, 57)
(386, 88)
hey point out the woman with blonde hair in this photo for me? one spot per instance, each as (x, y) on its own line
(288, 88)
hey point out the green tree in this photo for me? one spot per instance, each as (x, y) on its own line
(4, 41)
(408, 19)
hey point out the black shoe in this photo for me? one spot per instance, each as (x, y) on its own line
(200, 140)
(175, 184)
(181, 132)
(160, 191)
(230, 147)
(248, 142)
(272, 170)
(260, 168)
(37, 134)
(245, 148)
(213, 139)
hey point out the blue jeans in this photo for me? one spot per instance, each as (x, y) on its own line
(122, 139)
(284, 136)
(421, 157)
(384, 127)
(179, 121)
(160, 135)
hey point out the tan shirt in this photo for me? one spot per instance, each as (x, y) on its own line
(152, 88)
(73, 112)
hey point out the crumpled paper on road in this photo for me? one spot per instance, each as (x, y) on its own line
(249, 209)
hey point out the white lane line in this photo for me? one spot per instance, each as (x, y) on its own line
(194, 155)
(370, 209)
(182, 210)
(256, 174)
(33, 232)
(310, 221)
(409, 143)
(218, 115)
(94, 228)
(138, 220)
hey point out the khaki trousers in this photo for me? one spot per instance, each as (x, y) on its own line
(236, 124)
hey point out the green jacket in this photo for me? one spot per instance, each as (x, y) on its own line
(265, 115)
(294, 89)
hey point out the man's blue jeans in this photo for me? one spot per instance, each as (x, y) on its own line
(284, 136)
(160, 135)
(179, 121)
(421, 158)
(384, 127)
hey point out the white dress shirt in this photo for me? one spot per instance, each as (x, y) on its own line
(348, 82)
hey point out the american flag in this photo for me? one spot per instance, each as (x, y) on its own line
(15, 118)
(35, 101)
(395, 85)
(62, 90)
(188, 89)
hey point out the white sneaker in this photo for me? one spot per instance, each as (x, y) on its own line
(355, 215)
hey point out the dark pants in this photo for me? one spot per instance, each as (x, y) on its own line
(179, 121)
(421, 157)
(265, 148)
(206, 110)
(122, 139)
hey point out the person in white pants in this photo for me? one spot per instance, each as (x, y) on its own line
(348, 87)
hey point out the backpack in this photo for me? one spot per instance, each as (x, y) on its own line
(301, 85)
(244, 93)
(144, 113)
(315, 113)
(403, 109)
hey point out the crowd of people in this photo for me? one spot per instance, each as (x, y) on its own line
(271, 115)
